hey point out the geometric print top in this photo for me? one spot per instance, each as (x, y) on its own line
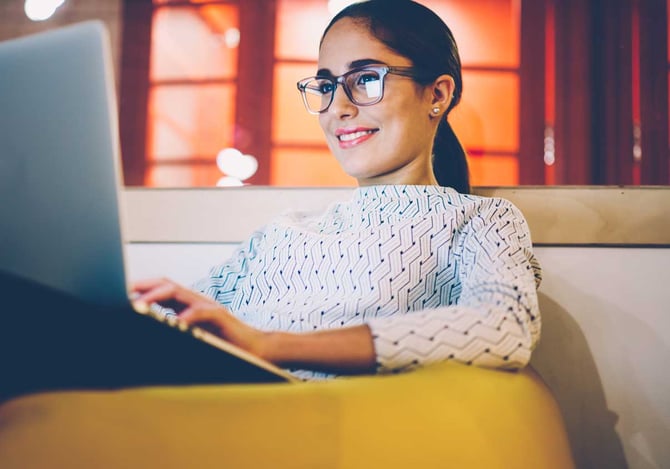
(436, 275)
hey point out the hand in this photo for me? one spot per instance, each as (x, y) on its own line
(195, 309)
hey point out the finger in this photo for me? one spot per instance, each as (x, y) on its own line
(160, 293)
(199, 313)
(205, 317)
(175, 296)
(192, 298)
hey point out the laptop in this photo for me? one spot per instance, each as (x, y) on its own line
(60, 180)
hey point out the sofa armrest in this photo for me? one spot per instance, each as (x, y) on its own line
(446, 415)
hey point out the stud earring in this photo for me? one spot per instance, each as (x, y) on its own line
(436, 110)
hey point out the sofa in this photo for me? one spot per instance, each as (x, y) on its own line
(446, 415)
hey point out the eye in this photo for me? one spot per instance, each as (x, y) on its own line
(366, 77)
(318, 86)
(326, 87)
(322, 86)
(365, 86)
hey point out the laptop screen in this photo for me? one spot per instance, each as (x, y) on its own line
(59, 163)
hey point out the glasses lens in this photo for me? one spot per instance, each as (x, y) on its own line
(365, 86)
(317, 93)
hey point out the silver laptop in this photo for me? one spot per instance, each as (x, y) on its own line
(60, 180)
(59, 163)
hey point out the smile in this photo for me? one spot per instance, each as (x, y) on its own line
(354, 136)
(350, 139)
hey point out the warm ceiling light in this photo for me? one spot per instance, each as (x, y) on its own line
(40, 10)
(236, 166)
(232, 38)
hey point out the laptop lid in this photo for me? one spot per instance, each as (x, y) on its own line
(60, 163)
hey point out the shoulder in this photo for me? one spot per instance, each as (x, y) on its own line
(476, 205)
(494, 220)
(475, 216)
(470, 207)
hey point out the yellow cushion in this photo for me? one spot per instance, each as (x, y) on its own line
(447, 415)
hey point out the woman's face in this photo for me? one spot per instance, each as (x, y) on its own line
(386, 143)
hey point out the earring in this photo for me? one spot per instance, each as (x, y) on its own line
(436, 110)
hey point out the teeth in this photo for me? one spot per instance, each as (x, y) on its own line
(353, 136)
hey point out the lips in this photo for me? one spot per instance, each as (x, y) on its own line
(348, 138)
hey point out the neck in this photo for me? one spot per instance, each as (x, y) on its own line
(411, 175)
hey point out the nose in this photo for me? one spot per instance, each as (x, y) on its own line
(341, 106)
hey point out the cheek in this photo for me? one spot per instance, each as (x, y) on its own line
(322, 122)
(410, 137)
(406, 115)
(405, 128)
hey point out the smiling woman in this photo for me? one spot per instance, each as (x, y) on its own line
(411, 270)
(287, 143)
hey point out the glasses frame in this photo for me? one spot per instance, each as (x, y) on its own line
(382, 70)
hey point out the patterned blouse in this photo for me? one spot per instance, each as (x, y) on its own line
(436, 275)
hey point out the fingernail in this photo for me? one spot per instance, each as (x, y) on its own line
(141, 307)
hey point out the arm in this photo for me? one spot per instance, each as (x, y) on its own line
(347, 350)
(343, 350)
(495, 321)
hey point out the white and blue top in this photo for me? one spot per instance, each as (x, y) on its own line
(436, 275)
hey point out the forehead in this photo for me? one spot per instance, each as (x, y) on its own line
(349, 40)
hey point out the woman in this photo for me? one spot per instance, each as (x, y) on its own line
(411, 270)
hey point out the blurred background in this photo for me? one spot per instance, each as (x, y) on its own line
(556, 92)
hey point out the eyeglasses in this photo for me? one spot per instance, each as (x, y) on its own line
(363, 86)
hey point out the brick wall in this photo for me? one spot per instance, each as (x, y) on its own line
(15, 23)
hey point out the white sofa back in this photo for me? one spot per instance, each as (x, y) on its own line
(605, 254)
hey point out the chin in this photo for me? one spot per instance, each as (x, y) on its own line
(367, 179)
(357, 172)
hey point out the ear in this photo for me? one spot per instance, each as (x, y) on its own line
(442, 92)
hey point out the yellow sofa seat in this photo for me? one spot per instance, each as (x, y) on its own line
(442, 416)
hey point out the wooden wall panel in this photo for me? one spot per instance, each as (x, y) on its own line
(600, 216)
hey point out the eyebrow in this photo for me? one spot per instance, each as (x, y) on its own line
(354, 64)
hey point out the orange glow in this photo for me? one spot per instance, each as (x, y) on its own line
(304, 168)
(550, 175)
(550, 83)
(167, 2)
(490, 170)
(487, 31)
(488, 114)
(635, 39)
(550, 65)
(199, 50)
(183, 176)
(291, 122)
(190, 121)
(219, 18)
(299, 28)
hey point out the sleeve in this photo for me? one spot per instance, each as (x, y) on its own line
(224, 280)
(495, 321)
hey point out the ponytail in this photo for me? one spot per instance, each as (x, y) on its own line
(450, 164)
